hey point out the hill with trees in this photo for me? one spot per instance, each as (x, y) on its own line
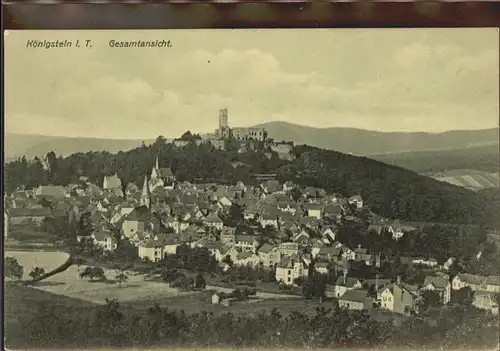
(388, 190)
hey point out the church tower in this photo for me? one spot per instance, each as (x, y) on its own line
(154, 172)
(145, 196)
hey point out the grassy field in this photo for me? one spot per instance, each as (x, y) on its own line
(20, 302)
(471, 179)
(29, 259)
(202, 301)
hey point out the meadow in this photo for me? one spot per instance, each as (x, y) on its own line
(471, 179)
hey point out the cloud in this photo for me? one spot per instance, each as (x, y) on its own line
(128, 93)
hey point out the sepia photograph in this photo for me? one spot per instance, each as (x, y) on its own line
(251, 189)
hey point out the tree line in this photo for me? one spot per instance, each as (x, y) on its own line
(389, 190)
(112, 325)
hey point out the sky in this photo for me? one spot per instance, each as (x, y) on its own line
(429, 80)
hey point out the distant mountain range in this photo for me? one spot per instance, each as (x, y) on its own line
(346, 140)
(364, 143)
(18, 145)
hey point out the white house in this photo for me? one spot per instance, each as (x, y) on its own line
(269, 220)
(289, 249)
(315, 210)
(151, 249)
(356, 201)
(493, 283)
(105, 240)
(290, 269)
(214, 221)
(441, 285)
(462, 280)
(246, 242)
(269, 255)
(343, 284)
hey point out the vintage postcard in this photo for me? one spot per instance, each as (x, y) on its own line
(252, 189)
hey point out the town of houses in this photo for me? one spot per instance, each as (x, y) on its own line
(164, 213)
(161, 214)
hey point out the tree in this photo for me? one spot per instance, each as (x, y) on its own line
(315, 286)
(464, 296)
(296, 193)
(200, 282)
(85, 225)
(235, 215)
(122, 277)
(170, 275)
(227, 260)
(183, 283)
(37, 272)
(12, 269)
(93, 274)
(78, 261)
(429, 298)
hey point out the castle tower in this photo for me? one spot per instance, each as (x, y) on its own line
(223, 122)
(224, 130)
(145, 196)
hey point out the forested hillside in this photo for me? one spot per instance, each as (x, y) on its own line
(389, 190)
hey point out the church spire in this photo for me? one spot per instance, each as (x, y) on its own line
(154, 171)
(145, 197)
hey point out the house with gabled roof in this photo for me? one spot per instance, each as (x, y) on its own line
(225, 202)
(271, 186)
(345, 283)
(334, 212)
(462, 280)
(301, 238)
(441, 285)
(356, 201)
(246, 258)
(105, 240)
(51, 191)
(289, 269)
(288, 206)
(27, 216)
(356, 299)
(289, 249)
(316, 246)
(360, 253)
(221, 252)
(269, 255)
(328, 235)
(348, 254)
(321, 267)
(250, 212)
(493, 283)
(111, 182)
(398, 297)
(246, 242)
(214, 221)
(136, 221)
(315, 210)
(151, 249)
(486, 300)
(288, 186)
(329, 253)
(269, 219)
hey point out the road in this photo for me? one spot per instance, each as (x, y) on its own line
(259, 294)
